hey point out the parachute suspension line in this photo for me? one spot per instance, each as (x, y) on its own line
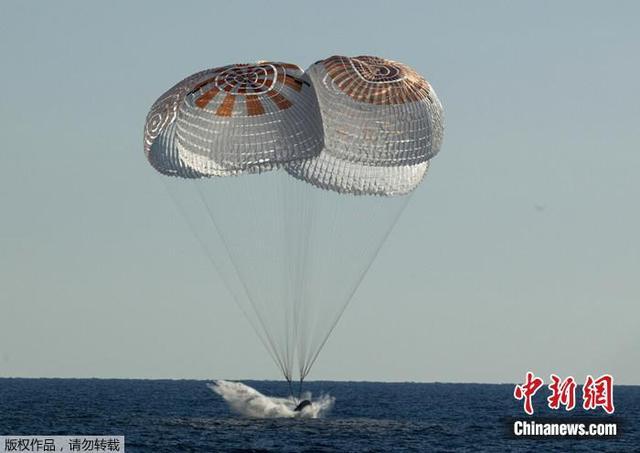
(280, 233)
(306, 354)
(341, 207)
(329, 257)
(272, 222)
(351, 294)
(252, 203)
(279, 228)
(302, 301)
(298, 214)
(216, 266)
(298, 199)
(356, 286)
(290, 388)
(272, 343)
(283, 233)
(312, 350)
(256, 220)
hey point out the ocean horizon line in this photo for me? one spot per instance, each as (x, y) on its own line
(100, 378)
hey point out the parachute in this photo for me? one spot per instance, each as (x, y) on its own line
(291, 181)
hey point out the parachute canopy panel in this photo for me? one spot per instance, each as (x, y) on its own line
(382, 123)
(332, 173)
(243, 118)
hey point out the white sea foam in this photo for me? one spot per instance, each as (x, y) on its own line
(247, 401)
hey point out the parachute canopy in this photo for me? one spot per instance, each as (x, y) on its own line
(382, 123)
(364, 129)
(234, 119)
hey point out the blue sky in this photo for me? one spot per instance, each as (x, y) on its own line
(520, 251)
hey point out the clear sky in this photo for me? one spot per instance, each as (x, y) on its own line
(520, 250)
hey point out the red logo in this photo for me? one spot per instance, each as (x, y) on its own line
(595, 392)
(563, 393)
(526, 391)
(598, 393)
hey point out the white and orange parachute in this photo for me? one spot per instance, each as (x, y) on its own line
(291, 255)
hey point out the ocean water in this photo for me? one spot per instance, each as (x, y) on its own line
(186, 415)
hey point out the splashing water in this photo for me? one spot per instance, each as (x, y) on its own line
(247, 401)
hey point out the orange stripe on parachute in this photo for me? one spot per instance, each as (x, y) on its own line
(226, 108)
(254, 106)
(278, 99)
(204, 100)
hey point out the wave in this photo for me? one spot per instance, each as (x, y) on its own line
(247, 401)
